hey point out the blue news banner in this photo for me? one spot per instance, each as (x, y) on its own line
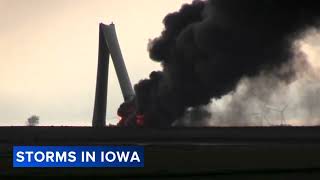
(78, 156)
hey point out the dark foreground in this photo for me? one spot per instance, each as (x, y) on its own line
(222, 153)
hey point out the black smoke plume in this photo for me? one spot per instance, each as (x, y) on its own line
(208, 47)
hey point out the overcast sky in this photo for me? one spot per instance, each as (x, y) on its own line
(48, 55)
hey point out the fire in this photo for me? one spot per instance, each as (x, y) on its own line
(139, 120)
(129, 116)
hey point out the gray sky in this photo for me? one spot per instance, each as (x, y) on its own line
(48, 55)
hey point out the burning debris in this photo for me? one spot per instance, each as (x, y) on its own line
(208, 47)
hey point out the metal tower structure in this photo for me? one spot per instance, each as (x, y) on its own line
(109, 45)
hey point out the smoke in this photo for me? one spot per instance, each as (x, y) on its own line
(248, 50)
(265, 101)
